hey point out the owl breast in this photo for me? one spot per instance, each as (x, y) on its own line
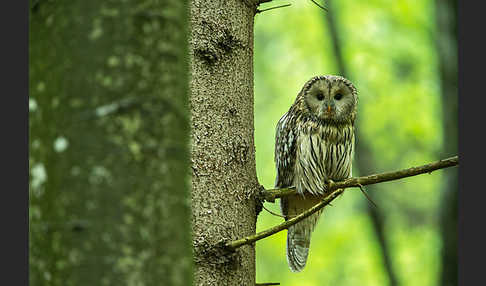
(322, 152)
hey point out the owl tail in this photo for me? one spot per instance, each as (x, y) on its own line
(298, 242)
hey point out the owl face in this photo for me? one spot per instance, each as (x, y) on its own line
(331, 98)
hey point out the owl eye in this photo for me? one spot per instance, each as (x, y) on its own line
(320, 96)
(338, 96)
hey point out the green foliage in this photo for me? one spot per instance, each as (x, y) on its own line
(390, 53)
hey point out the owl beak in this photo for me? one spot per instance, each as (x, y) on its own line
(327, 110)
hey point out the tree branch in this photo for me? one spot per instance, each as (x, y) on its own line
(323, 8)
(272, 194)
(252, 238)
(276, 7)
(335, 189)
(258, 2)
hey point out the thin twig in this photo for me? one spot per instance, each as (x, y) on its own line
(271, 8)
(275, 214)
(361, 187)
(337, 188)
(271, 283)
(323, 8)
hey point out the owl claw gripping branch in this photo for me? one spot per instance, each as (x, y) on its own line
(314, 145)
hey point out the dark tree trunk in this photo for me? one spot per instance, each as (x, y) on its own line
(446, 38)
(224, 178)
(364, 160)
(109, 143)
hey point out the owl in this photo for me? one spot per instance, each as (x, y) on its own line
(314, 144)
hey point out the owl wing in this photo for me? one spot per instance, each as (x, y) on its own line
(298, 235)
(285, 151)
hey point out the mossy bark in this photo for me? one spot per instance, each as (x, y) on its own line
(109, 143)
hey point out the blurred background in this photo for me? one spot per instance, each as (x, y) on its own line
(401, 56)
(108, 143)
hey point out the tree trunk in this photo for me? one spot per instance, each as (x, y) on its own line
(446, 38)
(364, 159)
(224, 178)
(109, 135)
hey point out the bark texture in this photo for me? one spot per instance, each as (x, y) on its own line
(109, 143)
(224, 182)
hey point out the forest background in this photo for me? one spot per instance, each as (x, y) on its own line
(390, 52)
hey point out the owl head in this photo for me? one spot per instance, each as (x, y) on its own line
(329, 98)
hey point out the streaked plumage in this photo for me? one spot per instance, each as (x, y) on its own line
(314, 143)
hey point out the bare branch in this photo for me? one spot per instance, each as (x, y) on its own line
(361, 187)
(258, 2)
(281, 6)
(335, 189)
(285, 225)
(323, 8)
(272, 194)
(272, 213)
